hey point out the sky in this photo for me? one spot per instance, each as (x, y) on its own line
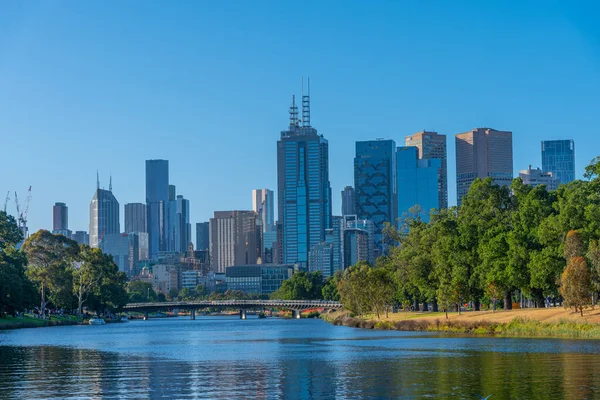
(90, 86)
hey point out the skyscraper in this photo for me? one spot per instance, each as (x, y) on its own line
(135, 217)
(183, 227)
(202, 236)
(171, 223)
(81, 237)
(262, 204)
(558, 157)
(433, 145)
(234, 239)
(418, 182)
(375, 184)
(303, 189)
(157, 197)
(60, 219)
(480, 153)
(348, 201)
(104, 215)
(349, 256)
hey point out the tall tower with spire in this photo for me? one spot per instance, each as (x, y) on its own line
(303, 188)
(104, 214)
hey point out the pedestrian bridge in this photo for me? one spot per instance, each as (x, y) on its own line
(296, 306)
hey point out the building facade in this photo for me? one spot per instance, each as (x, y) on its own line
(320, 258)
(104, 215)
(348, 201)
(535, 177)
(482, 153)
(375, 184)
(558, 157)
(303, 188)
(60, 219)
(183, 228)
(262, 204)
(157, 198)
(351, 222)
(81, 237)
(135, 217)
(418, 182)
(127, 249)
(258, 279)
(202, 236)
(234, 239)
(432, 145)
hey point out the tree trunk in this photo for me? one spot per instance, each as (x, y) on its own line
(416, 304)
(581, 311)
(507, 301)
(493, 305)
(446, 313)
(458, 308)
(43, 303)
(434, 306)
(476, 305)
(425, 306)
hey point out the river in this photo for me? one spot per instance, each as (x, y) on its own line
(229, 358)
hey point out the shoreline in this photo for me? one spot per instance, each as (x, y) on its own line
(30, 322)
(505, 324)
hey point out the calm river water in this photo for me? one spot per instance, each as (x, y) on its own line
(227, 358)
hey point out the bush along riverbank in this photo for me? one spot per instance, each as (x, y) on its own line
(32, 322)
(518, 327)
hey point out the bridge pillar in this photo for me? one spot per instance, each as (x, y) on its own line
(193, 314)
(242, 313)
(146, 316)
(296, 314)
(176, 312)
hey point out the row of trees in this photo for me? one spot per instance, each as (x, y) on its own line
(52, 270)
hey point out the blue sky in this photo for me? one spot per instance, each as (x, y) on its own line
(92, 85)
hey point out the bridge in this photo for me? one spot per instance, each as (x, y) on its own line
(296, 306)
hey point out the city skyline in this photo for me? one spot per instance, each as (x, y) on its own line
(136, 113)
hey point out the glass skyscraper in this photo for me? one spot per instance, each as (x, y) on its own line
(303, 189)
(418, 182)
(183, 228)
(104, 216)
(558, 157)
(157, 198)
(375, 184)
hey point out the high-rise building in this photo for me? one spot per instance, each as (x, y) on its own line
(351, 255)
(234, 239)
(202, 236)
(418, 182)
(60, 217)
(171, 223)
(262, 204)
(81, 237)
(303, 188)
(127, 249)
(558, 157)
(183, 227)
(320, 258)
(348, 202)
(432, 145)
(375, 184)
(482, 153)
(104, 215)
(335, 236)
(157, 198)
(535, 177)
(135, 217)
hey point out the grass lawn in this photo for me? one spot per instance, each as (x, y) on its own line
(32, 322)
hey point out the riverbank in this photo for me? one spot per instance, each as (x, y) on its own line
(31, 322)
(547, 322)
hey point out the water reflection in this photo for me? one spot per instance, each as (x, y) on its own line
(323, 363)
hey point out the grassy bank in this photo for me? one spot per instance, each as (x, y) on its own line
(512, 324)
(31, 322)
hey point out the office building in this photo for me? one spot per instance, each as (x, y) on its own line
(183, 228)
(482, 153)
(157, 198)
(535, 177)
(320, 258)
(234, 239)
(375, 184)
(127, 249)
(60, 217)
(558, 157)
(348, 206)
(81, 237)
(353, 244)
(303, 188)
(262, 204)
(171, 222)
(334, 235)
(418, 182)
(104, 215)
(135, 217)
(202, 236)
(258, 279)
(432, 145)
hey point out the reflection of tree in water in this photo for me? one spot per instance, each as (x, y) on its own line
(35, 372)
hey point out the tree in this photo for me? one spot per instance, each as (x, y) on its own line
(330, 291)
(173, 294)
(141, 292)
(200, 290)
(49, 257)
(186, 294)
(354, 290)
(381, 290)
(86, 274)
(575, 284)
(574, 246)
(494, 292)
(301, 286)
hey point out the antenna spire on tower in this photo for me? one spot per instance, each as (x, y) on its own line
(97, 180)
(306, 105)
(110, 183)
(293, 113)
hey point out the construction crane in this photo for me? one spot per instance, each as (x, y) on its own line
(22, 215)
(6, 201)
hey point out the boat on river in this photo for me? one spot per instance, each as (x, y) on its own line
(97, 321)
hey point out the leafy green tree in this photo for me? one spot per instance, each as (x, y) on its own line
(141, 292)
(86, 274)
(186, 294)
(173, 294)
(301, 286)
(575, 284)
(200, 291)
(330, 291)
(49, 258)
(354, 290)
(381, 290)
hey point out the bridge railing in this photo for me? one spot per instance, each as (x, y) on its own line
(252, 303)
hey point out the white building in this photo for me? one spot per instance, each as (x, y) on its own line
(535, 177)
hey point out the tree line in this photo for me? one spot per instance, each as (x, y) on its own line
(52, 271)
